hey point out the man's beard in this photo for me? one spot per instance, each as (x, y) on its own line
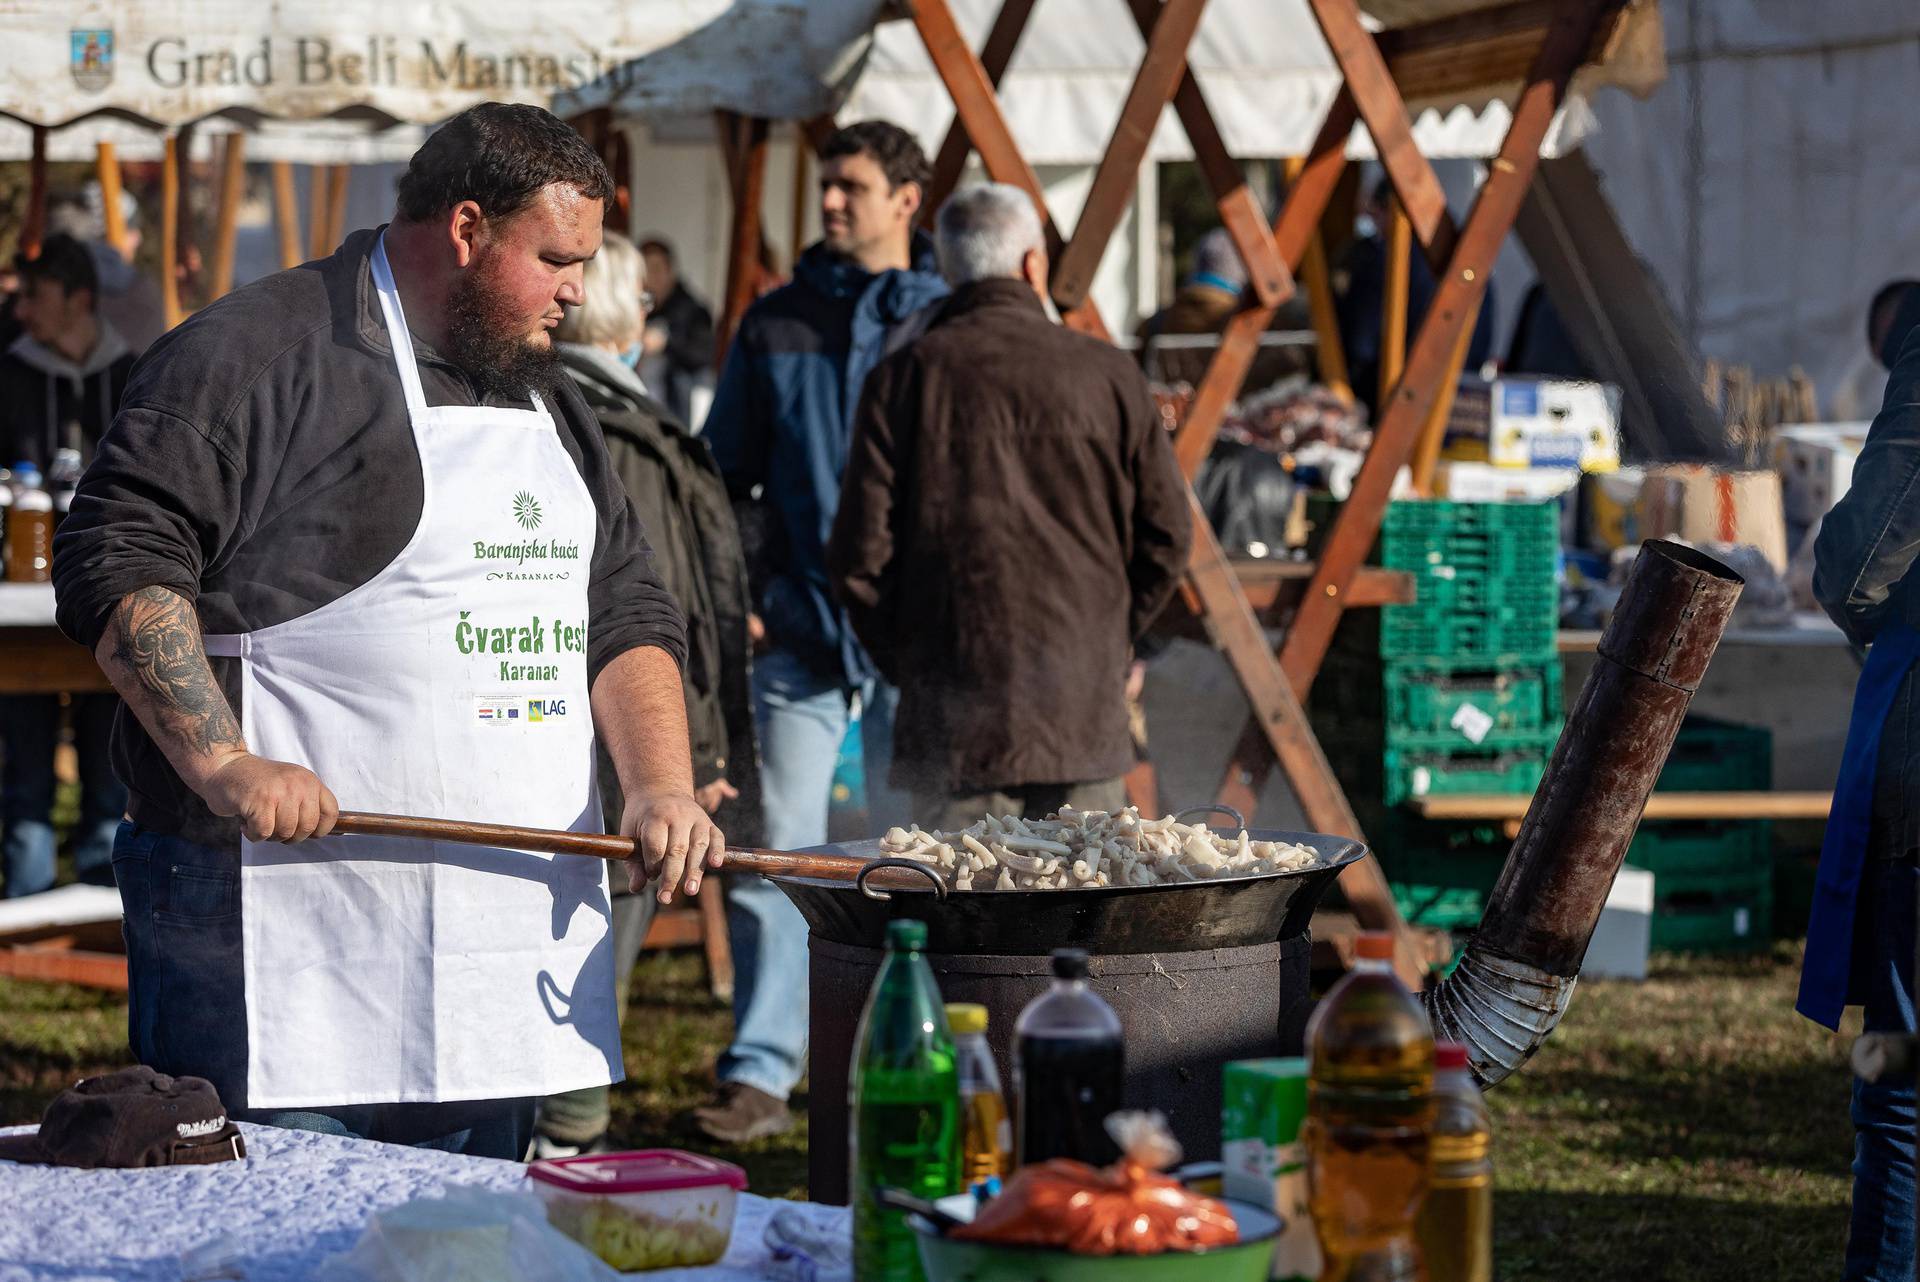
(484, 339)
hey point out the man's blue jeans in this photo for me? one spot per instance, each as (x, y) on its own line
(1880, 1241)
(30, 726)
(802, 718)
(187, 1010)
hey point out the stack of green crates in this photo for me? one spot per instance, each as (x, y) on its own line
(1712, 879)
(1458, 692)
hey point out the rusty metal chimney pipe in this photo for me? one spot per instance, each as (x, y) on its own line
(1517, 975)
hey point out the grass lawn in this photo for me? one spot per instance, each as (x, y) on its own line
(1691, 1127)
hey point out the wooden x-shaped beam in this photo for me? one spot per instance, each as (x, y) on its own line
(1461, 284)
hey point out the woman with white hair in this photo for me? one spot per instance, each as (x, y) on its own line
(682, 504)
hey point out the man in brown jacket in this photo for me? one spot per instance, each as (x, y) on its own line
(1012, 519)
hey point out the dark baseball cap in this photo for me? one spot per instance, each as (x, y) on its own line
(135, 1117)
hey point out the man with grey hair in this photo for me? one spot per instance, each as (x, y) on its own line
(992, 231)
(1011, 520)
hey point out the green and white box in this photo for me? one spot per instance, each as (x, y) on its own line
(1263, 1104)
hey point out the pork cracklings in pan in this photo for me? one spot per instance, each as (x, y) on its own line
(1083, 849)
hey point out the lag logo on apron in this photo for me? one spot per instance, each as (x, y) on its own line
(452, 684)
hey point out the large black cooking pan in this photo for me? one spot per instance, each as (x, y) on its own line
(1226, 912)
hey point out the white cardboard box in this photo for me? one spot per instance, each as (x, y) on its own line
(1815, 463)
(1540, 422)
(1620, 942)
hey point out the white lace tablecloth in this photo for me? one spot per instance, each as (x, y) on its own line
(297, 1199)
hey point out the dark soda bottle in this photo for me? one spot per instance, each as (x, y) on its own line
(905, 1099)
(1069, 1067)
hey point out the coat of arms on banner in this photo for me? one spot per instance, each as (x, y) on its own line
(92, 62)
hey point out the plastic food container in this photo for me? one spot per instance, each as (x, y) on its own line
(654, 1208)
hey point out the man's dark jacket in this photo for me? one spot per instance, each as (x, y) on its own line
(781, 420)
(682, 502)
(1012, 519)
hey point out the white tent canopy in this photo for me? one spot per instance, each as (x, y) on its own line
(1265, 70)
(170, 62)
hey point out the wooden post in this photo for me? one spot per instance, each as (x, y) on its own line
(802, 191)
(317, 245)
(337, 177)
(979, 112)
(1455, 303)
(1159, 74)
(1433, 433)
(107, 167)
(286, 213)
(951, 161)
(1331, 355)
(35, 229)
(187, 255)
(170, 230)
(1385, 114)
(233, 182)
(1393, 299)
(1293, 226)
(748, 171)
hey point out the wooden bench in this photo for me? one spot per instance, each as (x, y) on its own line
(1510, 809)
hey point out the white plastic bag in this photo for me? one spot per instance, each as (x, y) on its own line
(466, 1235)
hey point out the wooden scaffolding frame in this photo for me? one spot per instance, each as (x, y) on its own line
(1538, 44)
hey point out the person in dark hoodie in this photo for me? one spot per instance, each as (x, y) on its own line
(678, 493)
(60, 384)
(129, 298)
(781, 422)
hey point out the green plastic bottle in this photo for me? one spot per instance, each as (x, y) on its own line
(905, 1100)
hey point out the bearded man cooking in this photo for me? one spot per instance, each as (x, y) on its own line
(355, 536)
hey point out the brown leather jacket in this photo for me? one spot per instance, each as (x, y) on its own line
(1011, 520)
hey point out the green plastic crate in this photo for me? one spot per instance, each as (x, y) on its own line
(1409, 515)
(1494, 634)
(1427, 698)
(1712, 914)
(1699, 847)
(1718, 756)
(1438, 907)
(1420, 774)
(1452, 594)
(1440, 873)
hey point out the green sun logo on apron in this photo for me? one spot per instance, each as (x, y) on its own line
(526, 510)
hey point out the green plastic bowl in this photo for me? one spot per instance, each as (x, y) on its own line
(1248, 1260)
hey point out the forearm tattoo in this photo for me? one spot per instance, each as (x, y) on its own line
(156, 641)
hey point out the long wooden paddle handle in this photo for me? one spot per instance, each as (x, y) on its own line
(552, 841)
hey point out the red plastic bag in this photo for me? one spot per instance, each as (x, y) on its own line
(1128, 1208)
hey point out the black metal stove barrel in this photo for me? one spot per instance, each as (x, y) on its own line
(1199, 974)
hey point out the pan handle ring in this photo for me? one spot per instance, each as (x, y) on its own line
(1216, 808)
(939, 883)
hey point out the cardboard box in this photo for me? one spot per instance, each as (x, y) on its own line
(1263, 1103)
(1815, 463)
(1706, 505)
(1526, 422)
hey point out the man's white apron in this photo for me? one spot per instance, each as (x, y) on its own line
(454, 685)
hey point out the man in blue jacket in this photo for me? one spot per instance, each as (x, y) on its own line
(780, 427)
